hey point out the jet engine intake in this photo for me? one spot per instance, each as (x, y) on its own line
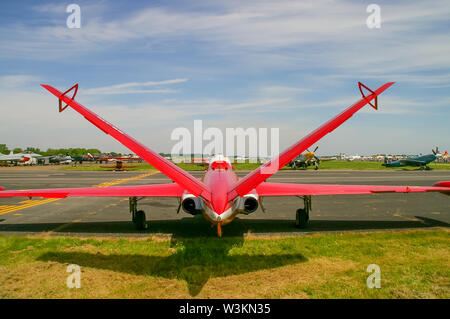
(190, 204)
(250, 204)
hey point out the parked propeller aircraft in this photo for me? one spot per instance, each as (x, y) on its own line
(420, 161)
(305, 160)
(130, 157)
(445, 157)
(220, 195)
(61, 159)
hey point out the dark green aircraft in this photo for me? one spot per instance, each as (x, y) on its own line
(420, 161)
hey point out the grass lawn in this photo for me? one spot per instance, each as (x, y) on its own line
(361, 165)
(414, 264)
(347, 165)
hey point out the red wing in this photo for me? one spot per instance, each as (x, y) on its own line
(157, 190)
(178, 175)
(262, 173)
(285, 189)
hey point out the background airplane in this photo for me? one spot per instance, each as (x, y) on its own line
(61, 159)
(352, 158)
(220, 195)
(445, 157)
(27, 158)
(420, 161)
(32, 158)
(305, 160)
(110, 158)
(14, 158)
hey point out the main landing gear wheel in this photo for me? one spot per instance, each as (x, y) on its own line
(140, 221)
(302, 214)
(137, 216)
(301, 218)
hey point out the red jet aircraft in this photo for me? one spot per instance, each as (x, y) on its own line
(220, 195)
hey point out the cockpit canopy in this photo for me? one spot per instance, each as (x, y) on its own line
(219, 161)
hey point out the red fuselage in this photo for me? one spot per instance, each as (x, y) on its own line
(220, 181)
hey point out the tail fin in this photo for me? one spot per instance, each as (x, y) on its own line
(175, 173)
(262, 173)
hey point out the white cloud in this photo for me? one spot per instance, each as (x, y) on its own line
(255, 104)
(134, 87)
(260, 27)
(274, 90)
(17, 80)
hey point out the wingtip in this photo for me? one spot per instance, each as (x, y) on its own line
(444, 184)
(438, 184)
(389, 84)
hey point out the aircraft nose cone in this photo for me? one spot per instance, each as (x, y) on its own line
(219, 204)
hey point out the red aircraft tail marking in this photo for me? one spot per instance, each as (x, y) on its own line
(364, 96)
(73, 96)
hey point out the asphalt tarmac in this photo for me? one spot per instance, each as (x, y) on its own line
(93, 216)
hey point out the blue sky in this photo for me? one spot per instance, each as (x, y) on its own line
(149, 67)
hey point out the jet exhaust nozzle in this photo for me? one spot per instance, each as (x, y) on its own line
(250, 205)
(189, 206)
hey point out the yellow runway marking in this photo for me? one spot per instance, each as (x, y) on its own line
(2, 207)
(119, 181)
(5, 209)
(34, 203)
